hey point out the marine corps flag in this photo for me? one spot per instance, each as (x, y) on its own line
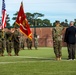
(23, 23)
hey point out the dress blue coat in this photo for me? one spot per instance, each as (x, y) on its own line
(70, 35)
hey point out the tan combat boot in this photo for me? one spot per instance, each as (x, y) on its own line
(59, 58)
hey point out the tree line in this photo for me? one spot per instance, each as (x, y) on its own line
(34, 20)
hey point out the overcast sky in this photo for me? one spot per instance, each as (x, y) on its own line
(52, 9)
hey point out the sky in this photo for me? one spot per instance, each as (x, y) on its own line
(52, 9)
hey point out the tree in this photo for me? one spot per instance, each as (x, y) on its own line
(74, 22)
(36, 15)
(7, 20)
(34, 19)
(39, 22)
(46, 22)
(66, 23)
(15, 16)
(54, 24)
(30, 18)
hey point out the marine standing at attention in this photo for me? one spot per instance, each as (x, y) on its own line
(16, 37)
(57, 40)
(8, 38)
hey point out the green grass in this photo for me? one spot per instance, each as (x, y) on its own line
(37, 62)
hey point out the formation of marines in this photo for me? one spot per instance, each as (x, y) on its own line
(12, 40)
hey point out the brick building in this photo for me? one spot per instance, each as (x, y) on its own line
(45, 36)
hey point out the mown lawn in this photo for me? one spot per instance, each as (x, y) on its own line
(37, 62)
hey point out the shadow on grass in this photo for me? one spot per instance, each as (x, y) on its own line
(41, 59)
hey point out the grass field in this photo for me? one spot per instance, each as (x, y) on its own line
(37, 62)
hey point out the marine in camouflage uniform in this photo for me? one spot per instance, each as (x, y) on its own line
(16, 36)
(22, 41)
(36, 42)
(8, 37)
(1, 43)
(29, 43)
(57, 40)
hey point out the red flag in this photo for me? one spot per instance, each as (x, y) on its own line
(23, 23)
(3, 14)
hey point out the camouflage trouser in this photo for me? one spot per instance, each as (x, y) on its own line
(22, 45)
(8, 46)
(29, 45)
(57, 48)
(1, 47)
(16, 47)
(36, 45)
